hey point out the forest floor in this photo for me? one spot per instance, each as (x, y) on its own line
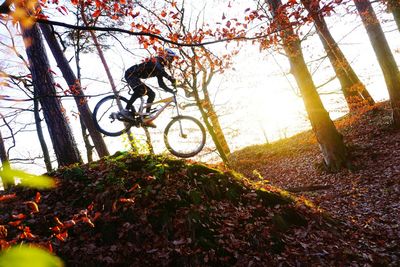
(366, 197)
(143, 210)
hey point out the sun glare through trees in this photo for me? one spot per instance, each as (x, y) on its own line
(291, 106)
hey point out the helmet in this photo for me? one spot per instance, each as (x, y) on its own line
(169, 54)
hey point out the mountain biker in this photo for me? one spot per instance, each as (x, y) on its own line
(153, 67)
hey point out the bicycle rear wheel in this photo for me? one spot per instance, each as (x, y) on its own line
(106, 116)
(184, 136)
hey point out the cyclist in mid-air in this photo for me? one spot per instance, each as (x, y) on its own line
(153, 67)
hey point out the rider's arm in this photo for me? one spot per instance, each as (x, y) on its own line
(162, 84)
(160, 71)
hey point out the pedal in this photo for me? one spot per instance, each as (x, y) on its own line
(114, 116)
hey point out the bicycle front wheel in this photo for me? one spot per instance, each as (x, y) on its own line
(106, 116)
(184, 136)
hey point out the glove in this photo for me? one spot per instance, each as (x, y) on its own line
(173, 81)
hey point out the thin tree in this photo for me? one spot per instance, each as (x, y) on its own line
(104, 63)
(330, 140)
(200, 70)
(383, 54)
(394, 7)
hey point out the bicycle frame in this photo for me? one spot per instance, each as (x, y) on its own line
(167, 101)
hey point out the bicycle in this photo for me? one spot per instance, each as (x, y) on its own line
(184, 136)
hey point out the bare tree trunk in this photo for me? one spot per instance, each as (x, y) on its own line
(330, 140)
(384, 55)
(394, 7)
(4, 161)
(39, 132)
(212, 115)
(353, 89)
(148, 141)
(88, 145)
(106, 68)
(75, 86)
(60, 133)
(210, 127)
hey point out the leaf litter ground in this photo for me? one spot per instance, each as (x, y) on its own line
(366, 199)
(128, 210)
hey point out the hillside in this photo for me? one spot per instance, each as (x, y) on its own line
(366, 198)
(130, 210)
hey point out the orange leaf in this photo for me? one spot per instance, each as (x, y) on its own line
(96, 216)
(69, 224)
(123, 2)
(38, 197)
(133, 188)
(90, 207)
(62, 236)
(163, 14)
(15, 223)
(7, 197)
(58, 222)
(96, 13)
(55, 229)
(32, 206)
(126, 200)
(88, 221)
(20, 216)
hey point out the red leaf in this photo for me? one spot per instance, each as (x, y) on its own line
(38, 197)
(133, 188)
(96, 13)
(163, 14)
(62, 236)
(15, 223)
(7, 197)
(20, 216)
(32, 206)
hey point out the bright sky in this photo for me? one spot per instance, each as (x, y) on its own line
(257, 99)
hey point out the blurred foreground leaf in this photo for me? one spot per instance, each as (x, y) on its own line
(22, 256)
(26, 179)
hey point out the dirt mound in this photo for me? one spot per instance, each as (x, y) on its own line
(147, 210)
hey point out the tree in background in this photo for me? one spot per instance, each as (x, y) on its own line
(198, 69)
(383, 54)
(354, 91)
(23, 83)
(60, 133)
(330, 140)
(394, 7)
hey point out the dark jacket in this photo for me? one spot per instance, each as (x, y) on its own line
(151, 68)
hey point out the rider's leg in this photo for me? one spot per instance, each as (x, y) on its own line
(139, 89)
(150, 98)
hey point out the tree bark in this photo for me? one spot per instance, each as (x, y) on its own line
(330, 140)
(60, 133)
(394, 7)
(383, 54)
(39, 132)
(353, 89)
(4, 161)
(73, 83)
